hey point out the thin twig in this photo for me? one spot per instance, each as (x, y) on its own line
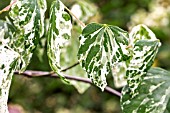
(83, 25)
(63, 70)
(8, 7)
(30, 73)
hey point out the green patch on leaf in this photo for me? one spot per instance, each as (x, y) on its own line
(66, 16)
(144, 49)
(24, 28)
(8, 63)
(151, 96)
(62, 50)
(101, 48)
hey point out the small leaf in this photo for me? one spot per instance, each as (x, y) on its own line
(144, 49)
(59, 33)
(152, 95)
(101, 48)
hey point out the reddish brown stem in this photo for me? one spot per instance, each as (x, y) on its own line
(30, 73)
(8, 7)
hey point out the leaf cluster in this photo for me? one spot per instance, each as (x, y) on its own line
(100, 50)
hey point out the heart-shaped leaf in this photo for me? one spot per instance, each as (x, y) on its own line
(102, 47)
(144, 49)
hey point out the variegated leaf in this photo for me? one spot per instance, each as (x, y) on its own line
(8, 56)
(62, 51)
(59, 33)
(25, 26)
(152, 96)
(8, 62)
(144, 49)
(102, 47)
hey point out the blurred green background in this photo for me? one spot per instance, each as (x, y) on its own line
(50, 95)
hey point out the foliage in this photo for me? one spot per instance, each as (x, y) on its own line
(19, 36)
(102, 47)
(58, 34)
(152, 96)
(102, 50)
(157, 18)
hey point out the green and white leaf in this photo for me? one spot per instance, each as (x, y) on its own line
(8, 62)
(62, 51)
(7, 57)
(25, 26)
(18, 38)
(59, 33)
(144, 49)
(101, 48)
(152, 95)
